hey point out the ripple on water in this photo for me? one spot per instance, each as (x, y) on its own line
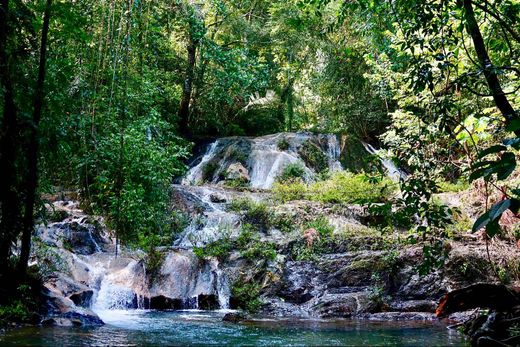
(140, 327)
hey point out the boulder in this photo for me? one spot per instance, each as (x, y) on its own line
(234, 317)
(342, 305)
(237, 171)
(61, 311)
(217, 198)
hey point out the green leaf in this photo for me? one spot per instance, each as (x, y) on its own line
(492, 229)
(481, 222)
(491, 216)
(514, 125)
(492, 149)
(499, 208)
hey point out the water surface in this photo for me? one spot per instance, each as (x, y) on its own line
(202, 327)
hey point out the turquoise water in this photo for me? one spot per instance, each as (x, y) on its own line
(206, 328)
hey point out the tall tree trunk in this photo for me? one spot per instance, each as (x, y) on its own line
(32, 149)
(9, 225)
(290, 105)
(184, 108)
(501, 101)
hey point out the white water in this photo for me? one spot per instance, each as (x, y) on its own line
(392, 170)
(265, 160)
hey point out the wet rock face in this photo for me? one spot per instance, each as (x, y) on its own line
(301, 282)
(74, 230)
(258, 161)
(61, 311)
(237, 172)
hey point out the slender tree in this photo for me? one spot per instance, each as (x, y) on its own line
(31, 181)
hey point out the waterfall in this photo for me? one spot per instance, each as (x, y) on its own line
(195, 174)
(393, 171)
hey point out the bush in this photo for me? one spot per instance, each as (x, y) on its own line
(219, 249)
(283, 145)
(208, 171)
(452, 187)
(246, 296)
(322, 226)
(289, 191)
(314, 157)
(292, 172)
(260, 250)
(153, 263)
(283, 222)
(255, 213)
(349, 188)
(342, 187)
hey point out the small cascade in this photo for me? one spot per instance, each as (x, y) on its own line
(223, 290)
(195, 174)
(393, 171)
(263, 157)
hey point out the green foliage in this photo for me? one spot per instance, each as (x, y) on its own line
(260, 250)
(283, 144)
(453, 187)
(342, 187)
(322, 226)
(219, 249)
(153, 263)
(209, 170)
(313, 156)
(283, 222)
(22, 306)
(292, 172)
(255, 213)
(246, 296)
(49, 259)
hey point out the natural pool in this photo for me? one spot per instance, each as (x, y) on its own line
(139, 327)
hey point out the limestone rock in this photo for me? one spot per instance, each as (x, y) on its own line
(237, 171)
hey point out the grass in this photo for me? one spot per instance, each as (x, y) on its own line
(341, 187)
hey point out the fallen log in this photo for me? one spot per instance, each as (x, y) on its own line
(480, 295)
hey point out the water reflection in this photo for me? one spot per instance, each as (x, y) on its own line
(131, 328)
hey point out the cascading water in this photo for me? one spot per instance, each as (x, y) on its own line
(392, 170)
(265, 157)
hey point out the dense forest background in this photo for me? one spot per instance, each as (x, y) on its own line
(107, 97)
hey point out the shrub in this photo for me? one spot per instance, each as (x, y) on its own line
(260, 250)
(255, 213)
(322, 226)
(246, 296)
(349, 188)
(219, 249)
(452, 187)
(208, 171)
(153, 263)
(313, 156)
(292, 172)
(341, 187)
(289, 191)
(283, 222)
(283, 145)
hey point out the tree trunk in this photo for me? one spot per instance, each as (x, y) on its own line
(290, 104)
(32, 149)
(184, 108)
(10, 208)
(487, 66)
